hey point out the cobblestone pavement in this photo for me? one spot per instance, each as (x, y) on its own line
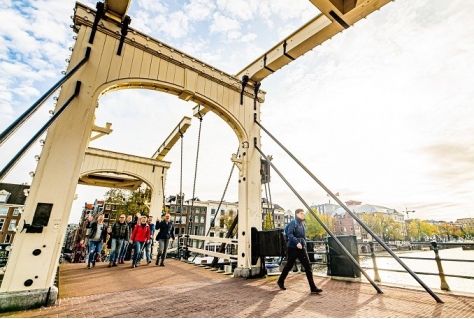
(183, 290)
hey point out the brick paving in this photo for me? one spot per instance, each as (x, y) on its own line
(184, 291)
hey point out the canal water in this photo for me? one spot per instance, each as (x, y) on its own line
(426, 266)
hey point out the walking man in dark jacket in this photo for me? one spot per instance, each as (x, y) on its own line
(297, 249)
(97, 236)
(165, 231)
(120, 233)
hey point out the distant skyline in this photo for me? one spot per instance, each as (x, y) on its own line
(381, 113)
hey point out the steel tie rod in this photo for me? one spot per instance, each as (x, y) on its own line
(352, 214)
(320, 222)
(25, 148)
(8, 132)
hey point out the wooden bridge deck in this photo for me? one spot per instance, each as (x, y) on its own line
(183, 290)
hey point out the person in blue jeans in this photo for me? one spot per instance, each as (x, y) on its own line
(296, 234)
(140, 235)
(118, 235)
(165, 231)
(149, 244)
(97, 236)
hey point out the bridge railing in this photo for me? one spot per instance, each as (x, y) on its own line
(188, 247)
(434, 246)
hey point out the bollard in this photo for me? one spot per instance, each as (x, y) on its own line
(444, 284)
(374, 261)
(327, 254)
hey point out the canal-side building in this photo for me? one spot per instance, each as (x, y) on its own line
(12, 201)
(345, 224)
(276, 212)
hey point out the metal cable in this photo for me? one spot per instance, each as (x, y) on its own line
(190, 221)
(357, 219)
(220, 203)
(349, 255)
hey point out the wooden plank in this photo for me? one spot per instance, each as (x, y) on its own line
(146, 65)
(154, 67)
(115, 63)
(212, 253)
(125, 67)
(171, 73)
(136, 63)
(162, 70)
(105, 60)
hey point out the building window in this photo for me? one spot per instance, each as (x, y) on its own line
(16, 212)
(107, 207)
(2, 221)
(4, 196)
(213, 211)
(12, 225)
(8, 238)
(211, 234)
(222, 212)
(3, 211)
(203, 219)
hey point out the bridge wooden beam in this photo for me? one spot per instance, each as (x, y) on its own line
(101, 130)
(174, 136)
(117, 9)
(336, 15)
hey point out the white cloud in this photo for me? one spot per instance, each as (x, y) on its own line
(223, 24)
(381, 113)
(199, 9)
(237, 9)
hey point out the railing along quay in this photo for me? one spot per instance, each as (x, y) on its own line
(320, 250)
(435, 246)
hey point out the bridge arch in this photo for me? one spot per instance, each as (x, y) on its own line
(117, 62)
(98, 164)
(206, 103)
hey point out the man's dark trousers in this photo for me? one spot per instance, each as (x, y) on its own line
(302, 256)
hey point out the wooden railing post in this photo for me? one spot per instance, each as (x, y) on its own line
(374, 261)
(444, 284)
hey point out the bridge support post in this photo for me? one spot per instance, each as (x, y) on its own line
(250, 197)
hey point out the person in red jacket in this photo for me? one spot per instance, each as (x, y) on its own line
(140, 236)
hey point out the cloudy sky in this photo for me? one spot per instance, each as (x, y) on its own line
(382, 113)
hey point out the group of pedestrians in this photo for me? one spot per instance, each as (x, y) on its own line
(138, 232)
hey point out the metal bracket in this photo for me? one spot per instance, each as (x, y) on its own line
(265, 64)
(245, 80)
(255, 91)
(126, 22)
(98, 15)
(284, 51)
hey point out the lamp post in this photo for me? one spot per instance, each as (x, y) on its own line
(408, 218)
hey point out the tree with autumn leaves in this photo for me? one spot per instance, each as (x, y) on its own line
(128, 202)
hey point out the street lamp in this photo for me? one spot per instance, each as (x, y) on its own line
(408, 211)
(406, 226)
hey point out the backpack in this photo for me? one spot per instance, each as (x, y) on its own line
(285, 231)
